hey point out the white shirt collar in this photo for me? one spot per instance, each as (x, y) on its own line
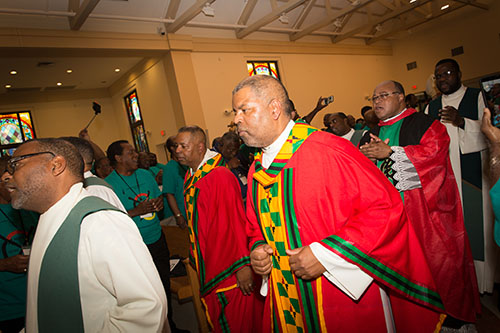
(270, 152)
(389, 119)
(88, 174)
(208, 155)
(349, 134)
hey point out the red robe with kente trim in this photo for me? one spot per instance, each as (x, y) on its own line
(435, 211)
(339, 198)
(219, 228)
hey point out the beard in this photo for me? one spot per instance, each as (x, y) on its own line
(24, 197)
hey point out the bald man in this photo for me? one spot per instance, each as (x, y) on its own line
(89, 269)
(328, 233)
(411, 149)
(216, 221)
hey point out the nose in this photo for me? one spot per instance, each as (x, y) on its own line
(237, 117)
(177, 149)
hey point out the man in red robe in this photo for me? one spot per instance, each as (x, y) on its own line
(327, 231)
(216, 221)
(411, 149)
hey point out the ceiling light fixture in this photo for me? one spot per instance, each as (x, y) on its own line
(69, 71)
(8, 86)
(208, 10)
(412, 1)
(117, 70)
(59, 84)
(13, 72)
(284, 19)
(445, 7)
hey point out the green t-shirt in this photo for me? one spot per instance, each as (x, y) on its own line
(12, 285)
(155, 169)
(133, 189)
(173, 182)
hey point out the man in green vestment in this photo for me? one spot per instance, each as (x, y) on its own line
(411, 149)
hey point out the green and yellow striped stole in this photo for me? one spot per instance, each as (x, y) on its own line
(279, 226)
(190, 195)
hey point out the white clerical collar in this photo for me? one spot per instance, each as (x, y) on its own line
(208, 155)
(393, 117)
(460, 92)
(349, 134)
(88, 174)
(270, 152)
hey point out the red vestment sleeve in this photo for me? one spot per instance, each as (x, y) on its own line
(435, 211)
(220, 228)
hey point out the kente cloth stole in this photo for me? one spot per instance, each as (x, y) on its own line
(59, 306)
(190, 195)
(294, 308)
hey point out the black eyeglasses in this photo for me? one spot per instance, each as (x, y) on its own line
(12, 163)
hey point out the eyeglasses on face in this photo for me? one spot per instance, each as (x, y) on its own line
(443, 74)
(383, 96)
(12, 163)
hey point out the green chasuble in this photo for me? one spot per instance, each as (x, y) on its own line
(59, 306)
(390, 132)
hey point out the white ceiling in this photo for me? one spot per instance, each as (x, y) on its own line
(360, 21)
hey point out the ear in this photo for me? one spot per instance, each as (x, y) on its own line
(57, 165)
(275, 108)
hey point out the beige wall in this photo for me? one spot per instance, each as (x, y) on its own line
(68, 117)
(156, 107)
(478, 34)
(349, 78)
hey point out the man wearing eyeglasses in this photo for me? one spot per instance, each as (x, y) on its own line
(89, 269)
(411, 149)
(460, 109)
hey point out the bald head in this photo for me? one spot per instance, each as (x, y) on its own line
(267, 88)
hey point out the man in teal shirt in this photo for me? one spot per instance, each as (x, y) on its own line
(173, 187)
(141, 197)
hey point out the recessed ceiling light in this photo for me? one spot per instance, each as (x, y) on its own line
(59, 83)
(445, 7)
(69, 71)
(13, 72)
(117, 70)
(412, 1)
(8, 86)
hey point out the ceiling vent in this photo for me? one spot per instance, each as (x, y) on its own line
(411, 65)
(60, 88)
(457, 51)
(45, 64)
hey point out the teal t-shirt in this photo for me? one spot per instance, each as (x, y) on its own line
(173, 182)
(12, 285)
(133, 189)
(155, 169)
(495, 202)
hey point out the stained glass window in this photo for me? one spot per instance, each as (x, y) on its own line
(263, 68)
(136, 122)
(15, 128)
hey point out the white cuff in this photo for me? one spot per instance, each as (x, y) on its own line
(346, 276)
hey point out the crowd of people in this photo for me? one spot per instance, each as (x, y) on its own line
(382, 224)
